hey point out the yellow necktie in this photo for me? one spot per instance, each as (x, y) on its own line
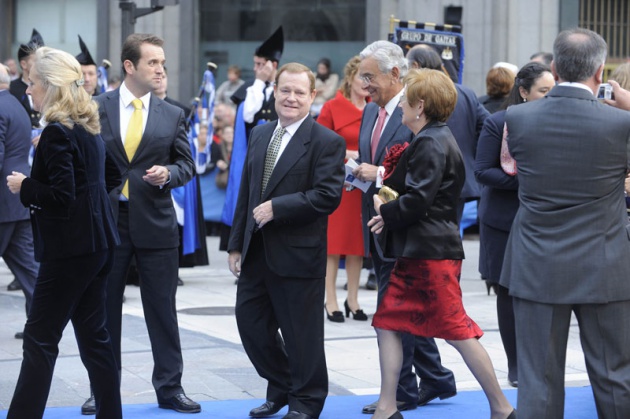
(133, 137)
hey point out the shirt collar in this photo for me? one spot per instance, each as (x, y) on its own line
(291, 129)
(393, 103)
(576, 84)
(126, 96)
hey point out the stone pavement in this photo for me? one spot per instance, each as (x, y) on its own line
(215, 365)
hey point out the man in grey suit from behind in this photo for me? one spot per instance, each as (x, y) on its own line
(16, 235)
(569, 248)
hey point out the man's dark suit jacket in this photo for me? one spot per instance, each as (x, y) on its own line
(152, 221)
(18, 90)
(465, 124)
(394, 133)
(499, 197)
(304, 188)
(15, 143)
(67, 193)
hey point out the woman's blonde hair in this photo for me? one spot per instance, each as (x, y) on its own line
(621, 75)
(65, 101)
(349, 72)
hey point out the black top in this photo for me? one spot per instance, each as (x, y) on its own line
(422, 222)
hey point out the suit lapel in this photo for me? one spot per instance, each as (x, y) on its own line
(112, 111)
(365, 136)
(258, 156)
(388, 133)
(153, 117)
(293, 152)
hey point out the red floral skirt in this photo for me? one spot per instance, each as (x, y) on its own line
(424, 298)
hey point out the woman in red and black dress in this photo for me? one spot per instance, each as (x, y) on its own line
(342, 114)
(419, 228)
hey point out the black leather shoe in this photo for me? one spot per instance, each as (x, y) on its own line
(19, 335)
(335, 316)
(294, 414)
(266, 409)
(356, 315)
(402, 406)
(179, 282)
(513, 383)
(89, 407)
(371, 282)
(14, 286)
(425, 396)
(180, 403)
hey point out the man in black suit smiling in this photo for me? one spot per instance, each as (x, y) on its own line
(145, 137)
(278, 247)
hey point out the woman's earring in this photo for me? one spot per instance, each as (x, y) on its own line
(524, 99)
(417, 116)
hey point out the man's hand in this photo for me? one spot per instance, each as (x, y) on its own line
(263, 213)
(157, 176)
(365, 172)
(234, 262)
(622, 97)
(14, 182)
(264, 72)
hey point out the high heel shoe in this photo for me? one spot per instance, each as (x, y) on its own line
(491, 286)
(336, 316)
(399, 415)
(356, 315)
(512, 415)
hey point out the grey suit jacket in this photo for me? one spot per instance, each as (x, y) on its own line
(570, 240)
(152, 221)
(15, 143)
(393, 133)
(304, 188)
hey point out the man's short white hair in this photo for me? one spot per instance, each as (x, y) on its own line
(388, 55)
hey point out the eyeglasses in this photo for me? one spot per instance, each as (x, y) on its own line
(367, 78)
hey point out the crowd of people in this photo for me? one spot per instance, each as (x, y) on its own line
(546, 160)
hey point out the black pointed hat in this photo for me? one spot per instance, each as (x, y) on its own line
(84, 57)
(272, 48)
(35, 42)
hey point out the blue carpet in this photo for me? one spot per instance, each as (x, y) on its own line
(579, 404)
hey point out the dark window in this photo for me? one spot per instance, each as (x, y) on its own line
(302, 21)
(232, 29)
(609, 18)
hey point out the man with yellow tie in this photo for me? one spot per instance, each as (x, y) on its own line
(145, 136)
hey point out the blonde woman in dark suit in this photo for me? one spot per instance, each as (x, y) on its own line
(74, 233)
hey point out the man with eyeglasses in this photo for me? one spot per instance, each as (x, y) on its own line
(383, 66)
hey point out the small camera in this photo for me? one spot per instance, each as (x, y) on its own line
(605, 91)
